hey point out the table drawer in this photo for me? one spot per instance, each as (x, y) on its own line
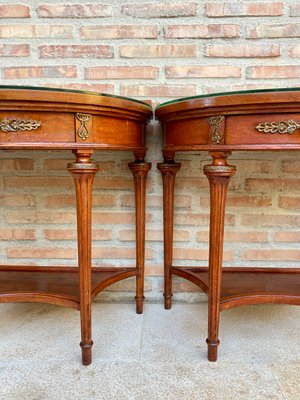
(110, 131)
(17, 126)
(263, 129)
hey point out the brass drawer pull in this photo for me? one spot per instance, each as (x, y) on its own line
(289, 127)
(14, 125)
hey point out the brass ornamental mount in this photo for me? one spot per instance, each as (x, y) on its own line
(15, 125)
(215, 122)
(83, 131)
(289, 127)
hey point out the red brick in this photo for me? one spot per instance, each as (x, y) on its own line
(248, 201)
(71, 234)
(74, 10)
(235, 200)
(91, 87)
(161, 10)
(60, 200)
(247, 9)
(291, 166)
(272, 255)
(247, 166)
(14, 11)
(37, 31)
(104, 200)
(64, 200)
(159, 90)
(40, 217)
(198, 254)
(154, 235)
(289, 202)
(242, 51)
(121, 72)
(202, 31)
(275, 31)
(205, 71)
(287, 237)
(117, 218)
(159, 51)
(113, 183)
(118, 252)
(119, 32)
(295, 10)
(76, 51)
(16, 164)
(24, 252)
(37, 181)
(267, 185)
(273, 72)
(153, 269)
(58, 71)
(252, 86)
(270, 220)
(157, 201)
(17, 234)
(14, 50)
(198, 219)
(294, 51)
(17, 200)
(247, 237)
(192, 183)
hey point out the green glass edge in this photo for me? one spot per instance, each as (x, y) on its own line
(51, 89)
(219, 94)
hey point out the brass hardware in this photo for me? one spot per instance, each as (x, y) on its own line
(83, 131)
(215, 122)
(14, 125)
(289, 127)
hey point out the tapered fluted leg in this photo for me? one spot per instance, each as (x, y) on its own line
(218, 175)
(140, 170)
(83, 172)
(168, 169)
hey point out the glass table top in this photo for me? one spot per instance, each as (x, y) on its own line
(241, 92)
(51, 89)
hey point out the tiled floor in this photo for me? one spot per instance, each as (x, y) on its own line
(158, 355)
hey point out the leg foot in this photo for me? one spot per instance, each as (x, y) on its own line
(168, 301)
(212, 349)
(139, 302)
(86, 349)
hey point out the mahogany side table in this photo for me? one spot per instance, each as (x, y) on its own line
(56, 119)
(222, 123)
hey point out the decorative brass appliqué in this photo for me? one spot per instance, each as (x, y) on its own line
(289, 127)
(215, 122)
(15, 125)
(83, 131)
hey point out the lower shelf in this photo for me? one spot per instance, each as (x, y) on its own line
(241, 286)
(54, 285)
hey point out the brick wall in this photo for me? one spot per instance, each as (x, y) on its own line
(154, 50)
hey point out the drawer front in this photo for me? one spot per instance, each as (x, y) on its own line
(189, 132)
(38, 127)
(109, 131)
(263, 129)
